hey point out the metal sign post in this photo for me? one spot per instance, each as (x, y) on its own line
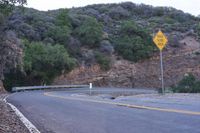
(162, 74)
(161, 40)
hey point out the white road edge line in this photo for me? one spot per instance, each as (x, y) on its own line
(24, 120)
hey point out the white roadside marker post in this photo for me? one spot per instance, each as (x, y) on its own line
(90, 88)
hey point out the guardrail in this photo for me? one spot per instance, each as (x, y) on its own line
(15, 89)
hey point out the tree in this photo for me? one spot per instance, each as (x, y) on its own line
(61, 31)
(62, 18)
(45, 61)
(10, 49)
(7, 5)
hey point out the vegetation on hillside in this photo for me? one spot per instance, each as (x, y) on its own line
(45, 61)
(189, 84)
(134, 42)
(103, 61)
(90, 32)
(41, 63)
(11, 52)
(82, 36)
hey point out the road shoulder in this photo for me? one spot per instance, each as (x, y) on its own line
(9, 121)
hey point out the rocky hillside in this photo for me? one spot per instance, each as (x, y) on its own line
(107, 44)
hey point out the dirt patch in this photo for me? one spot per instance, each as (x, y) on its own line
(190, 43)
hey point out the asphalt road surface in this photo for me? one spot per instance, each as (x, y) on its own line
(73, 111)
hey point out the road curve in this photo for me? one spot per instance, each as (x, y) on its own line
(59, 115)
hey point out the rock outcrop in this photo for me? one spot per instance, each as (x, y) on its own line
(121, 74)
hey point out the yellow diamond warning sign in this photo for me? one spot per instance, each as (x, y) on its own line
(160, 40)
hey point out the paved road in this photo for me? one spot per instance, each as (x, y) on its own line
(63, 112)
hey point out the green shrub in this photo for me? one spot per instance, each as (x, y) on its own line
(61, 29)
(46, 61)
(103, 61)
(188, 84)
(196, 87)
(60, 34)
(169, 20)
(63, 18)
(90, 32)
(133, 43)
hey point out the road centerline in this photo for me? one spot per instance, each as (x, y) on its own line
(125, 105)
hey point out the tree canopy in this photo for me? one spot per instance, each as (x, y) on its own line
(7, 5)
(45, 61)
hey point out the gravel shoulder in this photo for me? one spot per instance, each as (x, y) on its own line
(9, 121)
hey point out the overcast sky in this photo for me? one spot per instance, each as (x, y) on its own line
(189, 6)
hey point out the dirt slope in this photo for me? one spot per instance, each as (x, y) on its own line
(177, 62)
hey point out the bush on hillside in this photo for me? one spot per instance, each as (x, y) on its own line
(59, 33)
(63, 19)
(103, 61)
(62, 29)
(46, 61)
(90, 32)
(134, 43)
(188, 84)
